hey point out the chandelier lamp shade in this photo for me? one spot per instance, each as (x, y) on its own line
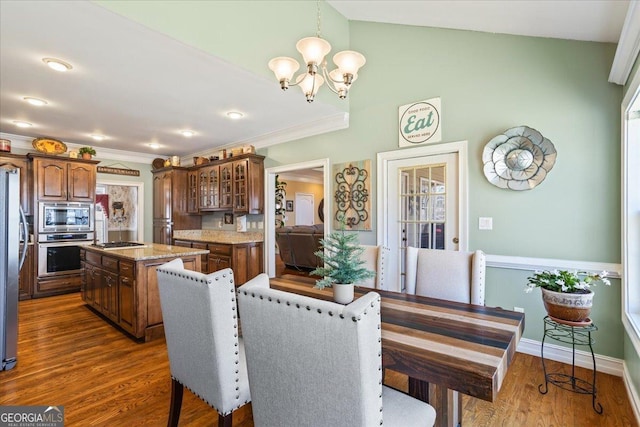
(313, 51)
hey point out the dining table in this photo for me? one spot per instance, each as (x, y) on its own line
(442, 346)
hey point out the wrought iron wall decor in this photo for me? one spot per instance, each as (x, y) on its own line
(518, 159)
(352, 195)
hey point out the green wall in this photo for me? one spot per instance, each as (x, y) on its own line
(489, 83)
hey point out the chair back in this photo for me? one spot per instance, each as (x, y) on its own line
(201, 329)
(311, 362)
(449, 275)
(375, 258)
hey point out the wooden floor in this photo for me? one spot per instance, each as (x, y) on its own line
(69, 356)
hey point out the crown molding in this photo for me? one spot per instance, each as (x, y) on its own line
(25, 143)
(628, 46)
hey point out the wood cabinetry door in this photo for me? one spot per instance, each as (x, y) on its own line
(162, 201)
(126, 297)
(193, 191)
(240, 186)
(25, 279)
(81, 182)
(52, 179)
(226, 186)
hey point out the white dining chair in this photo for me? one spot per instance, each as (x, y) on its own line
(206, 354)
(449, 275)
(375, 259)
(317, 363)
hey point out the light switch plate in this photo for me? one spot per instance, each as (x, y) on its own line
(485, 223)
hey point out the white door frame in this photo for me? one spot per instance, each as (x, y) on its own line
(140, 187)
(270, 205)
(383, 159)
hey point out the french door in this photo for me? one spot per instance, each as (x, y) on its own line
(422, 193)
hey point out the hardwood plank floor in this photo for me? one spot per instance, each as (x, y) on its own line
(69, 356)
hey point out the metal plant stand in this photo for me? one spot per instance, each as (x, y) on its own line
(574, 335)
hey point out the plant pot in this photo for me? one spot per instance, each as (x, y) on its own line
(86, 156)
(342, 294)
(574, 307)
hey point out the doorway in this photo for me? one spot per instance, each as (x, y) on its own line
(422, 201)
(270, 204)
(119, 211)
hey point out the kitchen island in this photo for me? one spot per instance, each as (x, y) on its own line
(241, 251)
(121, 284)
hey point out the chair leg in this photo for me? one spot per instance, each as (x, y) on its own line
(225, 420)
(177, 390)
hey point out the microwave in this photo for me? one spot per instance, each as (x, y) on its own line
(57, 217)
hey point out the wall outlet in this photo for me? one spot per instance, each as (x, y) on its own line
(518, 309)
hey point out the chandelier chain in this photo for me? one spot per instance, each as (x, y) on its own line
(319, 19)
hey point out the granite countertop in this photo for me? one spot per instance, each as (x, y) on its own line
(149, 251)
(219, 236)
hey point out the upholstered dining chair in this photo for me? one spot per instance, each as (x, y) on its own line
(201, 329)
(449, 275)
(318, 363)
(375, 258)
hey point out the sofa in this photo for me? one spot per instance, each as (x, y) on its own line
(298, 243)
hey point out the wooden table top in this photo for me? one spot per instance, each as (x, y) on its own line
(462, 347)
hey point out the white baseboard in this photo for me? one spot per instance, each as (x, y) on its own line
(633, 394)
(605, 364)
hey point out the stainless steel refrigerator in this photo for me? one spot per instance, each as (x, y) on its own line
(13, 226)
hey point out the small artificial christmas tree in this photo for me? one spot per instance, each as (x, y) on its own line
(342, 263)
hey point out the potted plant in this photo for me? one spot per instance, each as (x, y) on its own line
(342, 265)
(567, 295)
(86, 152)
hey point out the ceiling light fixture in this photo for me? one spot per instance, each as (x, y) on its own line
(35, 101)
(57, 64)
(313, 50)
(187, 133)
(98, 137)
(22, 124)
(154, 145)
(235, 115)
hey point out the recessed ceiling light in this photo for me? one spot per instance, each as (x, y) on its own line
(98, 137)
(187, 133)
(22, 124)
(235, 115)
(57, 64)
(35, 101)
(154, 145)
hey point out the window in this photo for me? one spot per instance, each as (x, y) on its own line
(631, 210)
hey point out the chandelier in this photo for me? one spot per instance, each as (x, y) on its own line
(313, 50)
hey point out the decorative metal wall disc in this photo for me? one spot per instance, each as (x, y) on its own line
(518, 159)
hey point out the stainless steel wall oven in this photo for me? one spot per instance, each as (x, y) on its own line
(59, 253)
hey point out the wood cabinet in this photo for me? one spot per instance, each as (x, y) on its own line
(125, 291)
(228, 185)
(27, 272)
(63, 180)
(192, 189)
(248, 188)
(170, 204)
(16, 161)
(245, 259)
(209, 188)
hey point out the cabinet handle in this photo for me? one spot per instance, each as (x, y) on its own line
(125, 280)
